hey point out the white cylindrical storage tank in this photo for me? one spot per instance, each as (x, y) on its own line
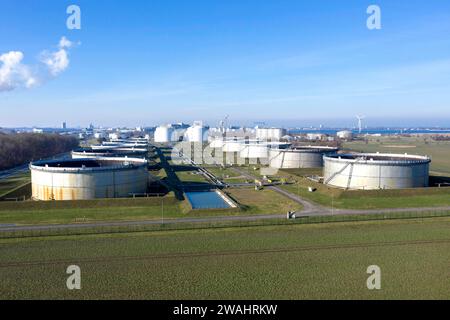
(84, 179)
(270, 133)
(163, 134)
(254, 151)
(216, 143)
(376, 171)
(299, 157)
(196, 133)
(232, 146)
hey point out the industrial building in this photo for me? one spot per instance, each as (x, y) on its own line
(371, 171)
(84, 179)
(345, 135)
(299, 157)
(83, 153)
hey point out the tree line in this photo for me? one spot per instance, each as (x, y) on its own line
(21, 148)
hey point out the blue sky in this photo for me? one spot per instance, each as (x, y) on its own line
(286, 62)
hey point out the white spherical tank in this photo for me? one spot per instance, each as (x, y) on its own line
(300, 157)
(84, 179)
(376, 171)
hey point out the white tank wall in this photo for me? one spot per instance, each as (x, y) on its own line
(270, 133)
(370, 175)
(163, 134)
(298, 158)
(232, 146)
(216, 144)
(254, 151)
(85, 184)
(196, 134)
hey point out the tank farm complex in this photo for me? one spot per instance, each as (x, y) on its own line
(133, 193)
(217, 162)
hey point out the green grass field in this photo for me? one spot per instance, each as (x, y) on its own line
(226, 174)
(275, 262)
(29, 212)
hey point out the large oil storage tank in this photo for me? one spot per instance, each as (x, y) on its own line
(84, 179)
(216, 143)
(254, 151)
(299, 157)
(371, 171)
(232, 146)
(196, 133)
(83, 153)
(163, 134)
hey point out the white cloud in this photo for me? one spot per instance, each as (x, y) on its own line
(58, 61)
(13, 73)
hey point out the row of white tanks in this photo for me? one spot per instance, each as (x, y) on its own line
(347, 171)
(278, 155)
(167, 133)
(199, 133)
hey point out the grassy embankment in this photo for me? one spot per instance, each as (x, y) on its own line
(251, 202)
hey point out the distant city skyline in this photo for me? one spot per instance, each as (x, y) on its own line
(287, 63)
(292, 123)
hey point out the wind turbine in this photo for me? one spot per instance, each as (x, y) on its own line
(360, 119)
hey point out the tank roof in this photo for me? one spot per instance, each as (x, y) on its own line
(380, 157)
(96, 164)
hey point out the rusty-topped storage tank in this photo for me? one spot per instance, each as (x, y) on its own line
(84, 179)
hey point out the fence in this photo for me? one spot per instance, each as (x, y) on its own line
(216, 224)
